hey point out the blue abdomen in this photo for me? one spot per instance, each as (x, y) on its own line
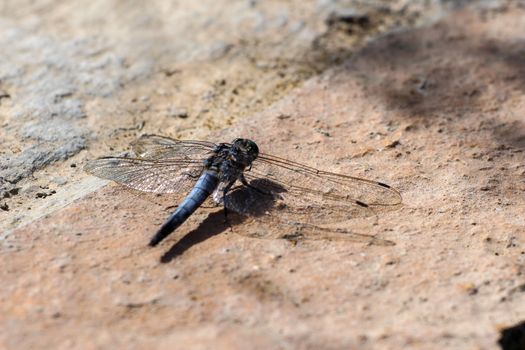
(205, 186)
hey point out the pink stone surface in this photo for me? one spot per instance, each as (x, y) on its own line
(437, 112)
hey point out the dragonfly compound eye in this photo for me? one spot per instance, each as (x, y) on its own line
(252, 148)
(247, 146)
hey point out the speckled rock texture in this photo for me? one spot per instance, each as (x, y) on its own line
(428, 96)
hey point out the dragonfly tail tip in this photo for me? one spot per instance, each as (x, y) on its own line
(155, 240)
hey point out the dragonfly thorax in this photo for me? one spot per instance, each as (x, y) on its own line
(230, 160)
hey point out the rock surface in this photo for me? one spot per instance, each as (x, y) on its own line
(435, 109)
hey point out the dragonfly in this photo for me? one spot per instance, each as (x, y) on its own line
(309, 202)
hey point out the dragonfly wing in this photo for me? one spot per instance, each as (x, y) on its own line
(159, 147)
(309, 194)
(303, 202)
(157, 176)
(306, 184)
(267, 215)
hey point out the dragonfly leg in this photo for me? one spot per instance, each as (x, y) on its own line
(226, 221)
(224, 192)
(256, 189)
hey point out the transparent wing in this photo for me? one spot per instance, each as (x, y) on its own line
(159, 147)
(163, 165)
(268, 216)
(157, 176)
(301, 202)
(302, 184)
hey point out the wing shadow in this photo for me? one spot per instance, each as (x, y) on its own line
(242, 202)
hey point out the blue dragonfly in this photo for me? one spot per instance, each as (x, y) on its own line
(305, 202)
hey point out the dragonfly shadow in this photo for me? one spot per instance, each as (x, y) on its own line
(254, 201)
(213, 225)
(242, 202)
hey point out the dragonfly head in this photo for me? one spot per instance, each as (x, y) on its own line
(244, 151)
